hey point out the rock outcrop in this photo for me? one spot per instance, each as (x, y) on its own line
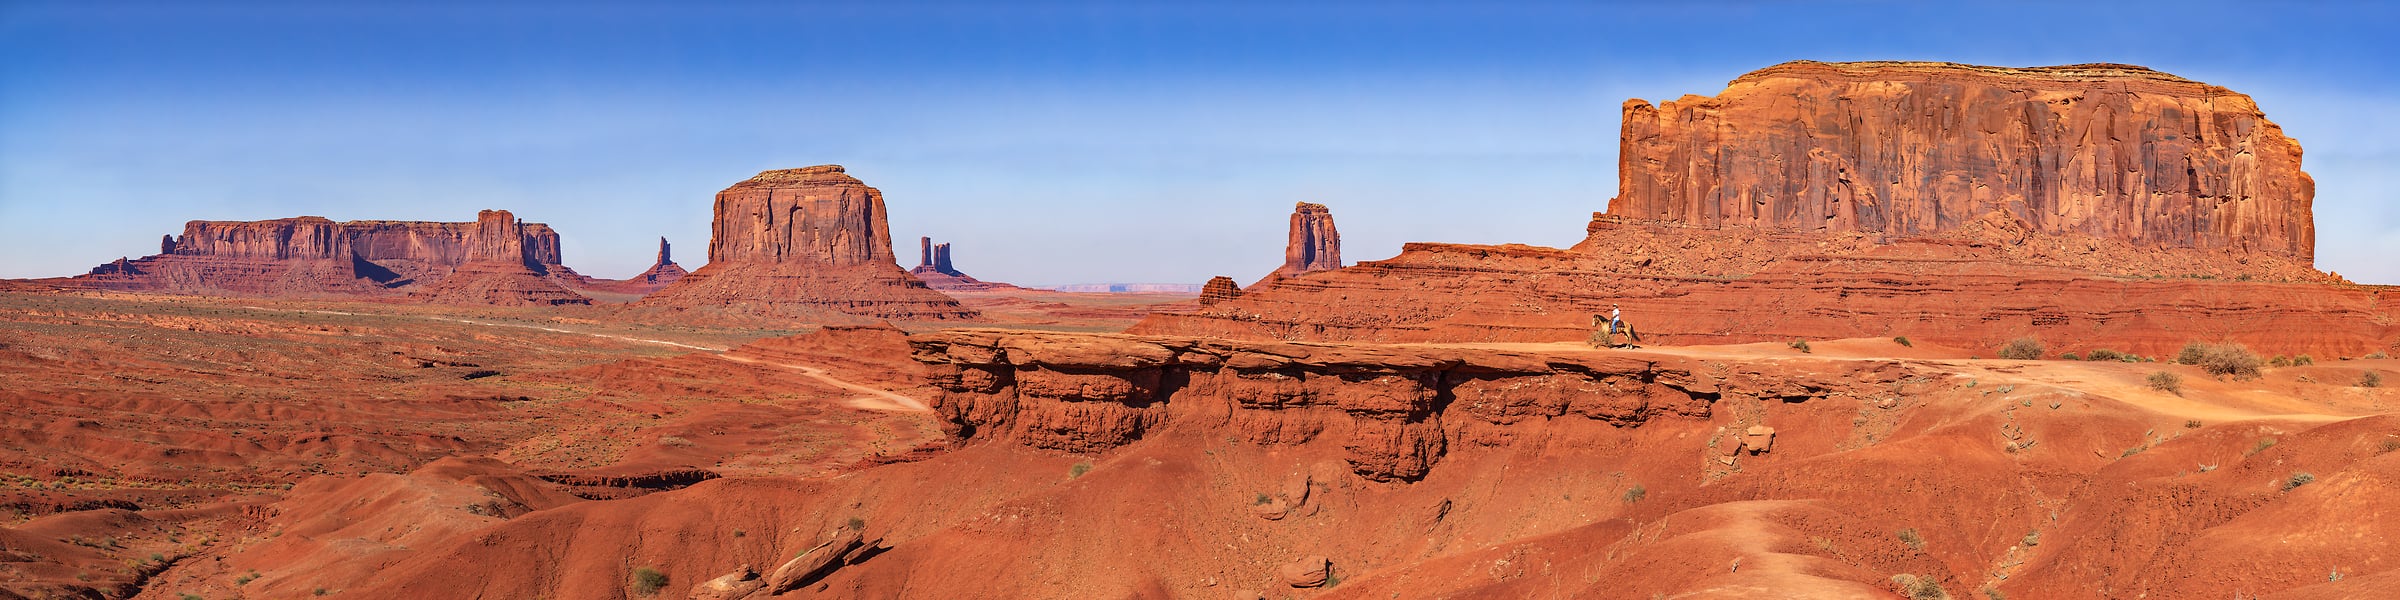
(1909, 149)
(809, 243)
(934, 268)
(2091, 206)
(1313, 244)
(1395, 411)
(1218, 290)
(501, 268)
(315, 256)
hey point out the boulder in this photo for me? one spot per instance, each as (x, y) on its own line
(1307, 572)
(730, 586)
(1758, 439)
(815, 562)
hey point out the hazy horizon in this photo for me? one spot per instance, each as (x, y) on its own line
(1050, 143)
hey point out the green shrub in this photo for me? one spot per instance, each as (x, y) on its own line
(1079, 469)
(2024, 348)
(647, 581)
(2280, 361)
(2167, 382)
(2298, 479)
(2070, 356)
(1903, 340)
(1262, 499)
(856, 524)
(1635, 494)
(1801, 345)
(2370, 379)
(2107, 354)
(2191, 424)
(2303, 360)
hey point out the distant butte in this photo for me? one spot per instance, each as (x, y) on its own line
(807, 243)
(2090, 205)
(934, 268)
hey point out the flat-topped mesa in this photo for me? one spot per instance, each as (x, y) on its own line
(1908, 149)
(810, 215)
(317, 256)
(505, 265)
(1313, 244)
(810, 243)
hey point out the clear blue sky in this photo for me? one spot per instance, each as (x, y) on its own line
(1055, 142)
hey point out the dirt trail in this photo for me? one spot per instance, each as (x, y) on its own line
(874, 399)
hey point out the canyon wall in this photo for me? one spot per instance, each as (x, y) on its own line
(1910, 148)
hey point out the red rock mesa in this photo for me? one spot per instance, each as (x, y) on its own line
(803, 243)
(315, 256)
(2092, 206)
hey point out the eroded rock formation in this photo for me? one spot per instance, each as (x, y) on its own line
(310, 256)
(1906, 149)
(2091, 206)
(660, 273)
(934, 268)
(502, 268)
(807, 243)
(1313, 244)
(1395, 409)
(1218, 289)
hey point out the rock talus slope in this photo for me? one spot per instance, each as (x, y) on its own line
(802, 243)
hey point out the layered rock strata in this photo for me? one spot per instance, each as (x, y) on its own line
(2091, 206)
(1396, 410)
(809, 243)
(1907, 149)
(1218, 290)
(315, 256)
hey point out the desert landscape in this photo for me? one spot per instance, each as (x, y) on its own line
(1890, 329)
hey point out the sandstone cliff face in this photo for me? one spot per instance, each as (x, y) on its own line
(810, 215)
(503, 268)
(808, 243)
(318, 256)
(1313, 245)
(1905, 149)
(1395, 410)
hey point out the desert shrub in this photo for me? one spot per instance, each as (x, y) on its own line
(1920, 588)
(2262, 446)
(2389, 445)
(2192, 351)
(1079, 469)
(321, 592)
(1635, 494)
(2167, 382)
(2106, 354)
(647, 581)
(1801, 345)
(2303, 360)
(2370, 379)
(856, 524)
(2280, 361)
(2376, 356)
(1909, 536)
(1903, 340)
(2070, 356)
(2032, 538)
(2298, 479)
(2228, 359)
(2024, 348)
(1261, 500)
(2191, 424)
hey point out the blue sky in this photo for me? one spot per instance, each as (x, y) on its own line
(1055, 142)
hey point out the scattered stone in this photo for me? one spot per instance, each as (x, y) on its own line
(730, 586)
(1307, 572)
(1758, 439)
